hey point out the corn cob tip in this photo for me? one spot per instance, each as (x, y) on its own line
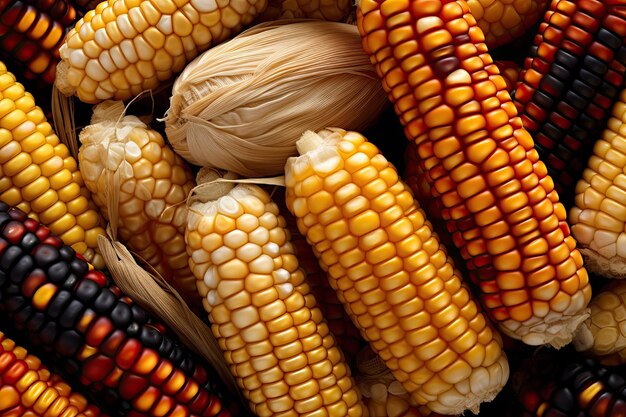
(614, 267)
(61, 81)
(107, 110)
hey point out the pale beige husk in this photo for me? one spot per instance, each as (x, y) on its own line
(242, 105)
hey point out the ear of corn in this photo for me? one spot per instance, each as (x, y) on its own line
(124, 47)
(31, 33)
(598, 217)
(565, 385)
(27, 388)
(573, 74)
(601, 334)
(38, 174)
(264, 315)
(95, 333)
(495, 195)
(395, 280)
(504, 21)
(153, 186)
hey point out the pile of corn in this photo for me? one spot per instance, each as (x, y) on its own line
(341, 288)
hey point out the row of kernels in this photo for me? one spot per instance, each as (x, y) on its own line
(263, 314)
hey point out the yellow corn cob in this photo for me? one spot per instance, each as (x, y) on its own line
(124, 47)
(154, 184)
(264, 316)
(39, 176)
(395, 280)
(483, 171)
(28, 389)
(503, 21)
(598, 218)
(331, 10)
(602, 335)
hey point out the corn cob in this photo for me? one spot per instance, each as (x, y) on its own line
(503, 21)
(39, 176)
(31, 33)
(395, 280)
(27, 388)
(567, 385)
(573, 74)
(264, 316)
(96, 334)
(496, 197)
(153, 186)
(598, 217)
(124, 47)
(601, 335)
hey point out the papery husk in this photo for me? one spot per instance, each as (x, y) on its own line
(242, 105)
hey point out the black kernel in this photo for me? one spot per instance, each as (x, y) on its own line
(87, 290)
(71, 314)
(139, 314)
(67, 253)
(121, 315)
(58, 303)
(57, 272)
(22, 269)
(68, 343)
(150, 337)
(45, 255)
(133, 330)
(29, 242)
(48, 333)
(10, 257)
(105, 301)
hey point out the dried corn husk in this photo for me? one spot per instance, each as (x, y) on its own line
(242, 105)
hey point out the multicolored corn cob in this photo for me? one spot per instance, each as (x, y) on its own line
(153, 186)
(31, 33)
(503, 21)
(97, 335)
(573, 74)
(124, 47)
(498, 202)
(566, 385)
(602, 335)
(598, 217)
(39, 176)
(262, 311)
(395, 280)
(28, 389)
